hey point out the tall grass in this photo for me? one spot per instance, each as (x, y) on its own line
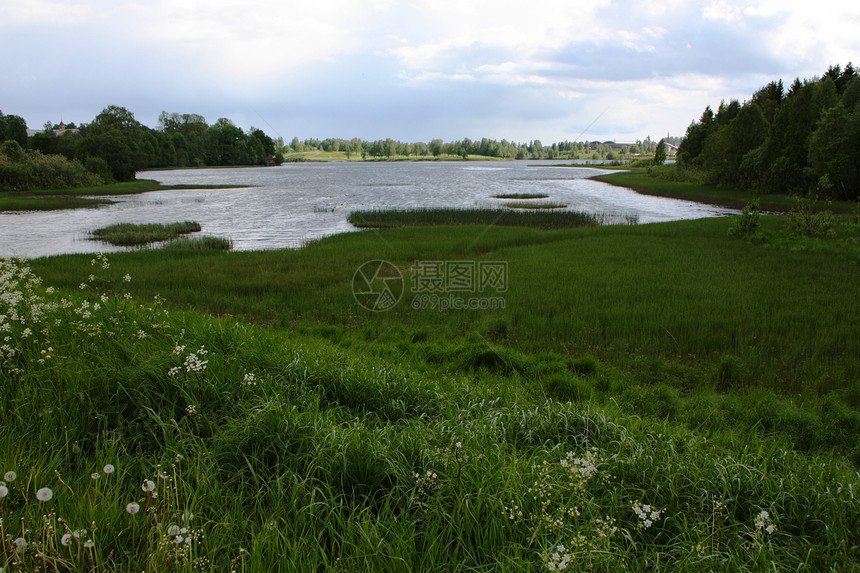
(501, 217)
(147, 439)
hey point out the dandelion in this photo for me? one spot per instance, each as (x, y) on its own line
(88, 543)
(173, 530)
(66, 539)
(108, 469)
(4, 491)
(187, 516)
(95, 475)
(20, 544)
(132, 507)
(44, 494)
(10, 476)
(148, 485)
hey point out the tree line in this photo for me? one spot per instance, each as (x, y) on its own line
(114, 146)
(804, 139)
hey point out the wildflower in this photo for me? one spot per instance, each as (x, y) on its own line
(4, 491)
(95, 475)
(187, 516)
(173, 530)
(191, 409)
(126, 278)
(10, 476)
(148, 485)
(108, 469)
(66, 539)
(20, 544)
(250, 379)
(132, 507)
(764, 523)
(88, 543)
(178, 539)
(82, 286)
(44, 494)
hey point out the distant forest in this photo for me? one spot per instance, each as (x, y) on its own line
(804, 139)
(114, 146)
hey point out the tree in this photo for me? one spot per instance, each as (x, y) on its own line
(436, 147)
(13, 127)
(660, 153)
(118, 138)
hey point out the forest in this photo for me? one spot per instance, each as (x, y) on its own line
(114, 146)
(803, 140)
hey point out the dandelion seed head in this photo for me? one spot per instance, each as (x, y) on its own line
(66, 539)
(173, 530)
(44, 494)
(148, 485)
(132, 507)
(10, 476)
(4, 491)
(95, 475)
(109, 469)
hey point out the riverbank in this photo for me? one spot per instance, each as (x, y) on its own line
(80, 197)
(650, 182)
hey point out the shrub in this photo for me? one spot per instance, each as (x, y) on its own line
(746, 224)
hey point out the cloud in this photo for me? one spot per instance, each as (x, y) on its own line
(413, 69)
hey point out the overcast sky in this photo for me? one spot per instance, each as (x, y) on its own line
(413, 70)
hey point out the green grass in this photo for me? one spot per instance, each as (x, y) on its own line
(489, 217)
(528, 205)
(279, 450)
(77, 197)
(200, 244)
(521, 196)
(134, 234)
(651, 181)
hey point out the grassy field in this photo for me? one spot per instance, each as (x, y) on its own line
(652, 397)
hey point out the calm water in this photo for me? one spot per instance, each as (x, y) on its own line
(293, 203)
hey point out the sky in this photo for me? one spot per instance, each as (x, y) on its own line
(414, 70)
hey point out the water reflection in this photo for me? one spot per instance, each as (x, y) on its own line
(294, 203)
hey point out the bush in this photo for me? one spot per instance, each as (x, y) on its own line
(746, 224)
(731, 373)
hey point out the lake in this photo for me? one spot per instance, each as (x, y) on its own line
(293, 203)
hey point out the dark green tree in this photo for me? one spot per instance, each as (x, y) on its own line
(660, 153)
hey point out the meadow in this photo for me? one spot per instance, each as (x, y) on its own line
(649, 397)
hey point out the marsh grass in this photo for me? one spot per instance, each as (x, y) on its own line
(528, 205)
(543, 219)
(134, 234)
(200, 244)
(521, 196)
(271, 450)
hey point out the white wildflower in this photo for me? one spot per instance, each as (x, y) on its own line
(109, 469)
(44, 494)
(132, 507)
(148, 485)
(66, 539)
(10, 476)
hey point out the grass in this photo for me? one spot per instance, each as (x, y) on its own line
(131, 234)
(521, 196)
(77, 197)
(490, 217)
(526, 205)
(651, 181)
(273, 449)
